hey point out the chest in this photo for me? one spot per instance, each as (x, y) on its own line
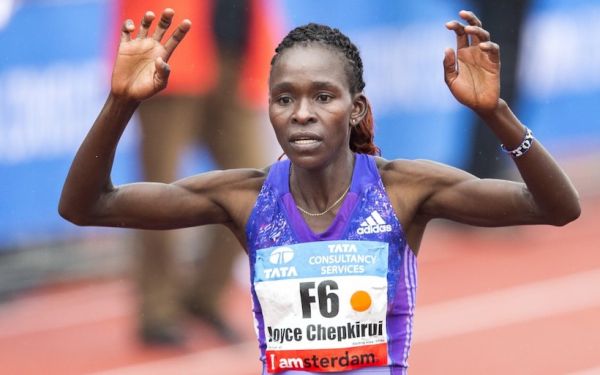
(367, 216)
(319, 224)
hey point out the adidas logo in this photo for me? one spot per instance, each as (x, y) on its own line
(374, 224)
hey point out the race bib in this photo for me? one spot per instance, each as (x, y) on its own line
(324, 305)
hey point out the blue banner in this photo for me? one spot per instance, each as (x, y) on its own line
(54, 76)
(402, 45)
(560, 75)
(57, 55)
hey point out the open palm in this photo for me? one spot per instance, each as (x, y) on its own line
(141, 68)
(473, 72)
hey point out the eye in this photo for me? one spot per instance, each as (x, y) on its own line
(324, 98)
(284, 100)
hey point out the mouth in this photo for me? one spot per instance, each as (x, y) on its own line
(305, 140)
(302, 142)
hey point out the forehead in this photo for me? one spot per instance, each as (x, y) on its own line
(310, 62)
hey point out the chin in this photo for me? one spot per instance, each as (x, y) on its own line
(313, 162)
(307, 161)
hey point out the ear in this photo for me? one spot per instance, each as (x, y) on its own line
(359, 109)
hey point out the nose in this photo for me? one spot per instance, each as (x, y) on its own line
(303, 112)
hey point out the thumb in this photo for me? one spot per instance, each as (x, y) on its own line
(161, 76)
(450, 69)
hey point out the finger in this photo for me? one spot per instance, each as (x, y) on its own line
(477, 34)
(470, 17)
(163, 24)
(492, 50)
(145, 24)
(126, 30)
(161, 76)
(450, 69)
(462, 39)
(177, 37)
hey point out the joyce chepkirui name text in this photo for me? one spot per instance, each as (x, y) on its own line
(319, 332)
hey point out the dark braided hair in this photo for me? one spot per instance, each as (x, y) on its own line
(361, 135)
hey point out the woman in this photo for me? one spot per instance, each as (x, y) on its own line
(332, 232)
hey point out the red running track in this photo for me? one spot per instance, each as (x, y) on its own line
(491, 301)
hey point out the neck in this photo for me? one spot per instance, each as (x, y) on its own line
(316, 190)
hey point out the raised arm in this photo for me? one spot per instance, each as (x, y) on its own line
(472, 73)
(89, 197)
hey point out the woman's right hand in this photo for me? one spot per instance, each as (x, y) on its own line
(141, 68)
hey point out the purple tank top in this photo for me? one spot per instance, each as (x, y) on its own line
(338, 301)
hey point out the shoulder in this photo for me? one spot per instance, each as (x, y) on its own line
(410, 183)
(403, 171)
(233, 190)
(226, 180)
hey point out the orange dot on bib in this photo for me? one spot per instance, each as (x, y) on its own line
(360, 301)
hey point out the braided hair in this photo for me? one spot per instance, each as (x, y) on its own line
(361, 135)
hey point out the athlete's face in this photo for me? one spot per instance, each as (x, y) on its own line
(310, 104)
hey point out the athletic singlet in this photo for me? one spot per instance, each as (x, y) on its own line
(337, 301)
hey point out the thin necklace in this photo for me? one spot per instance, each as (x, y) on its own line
(337, 201)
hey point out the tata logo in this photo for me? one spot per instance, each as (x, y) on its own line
(281, 255)
(280, 272)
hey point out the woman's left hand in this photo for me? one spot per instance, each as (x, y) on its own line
(472, 73)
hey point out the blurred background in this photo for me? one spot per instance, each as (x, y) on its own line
(509, 300)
